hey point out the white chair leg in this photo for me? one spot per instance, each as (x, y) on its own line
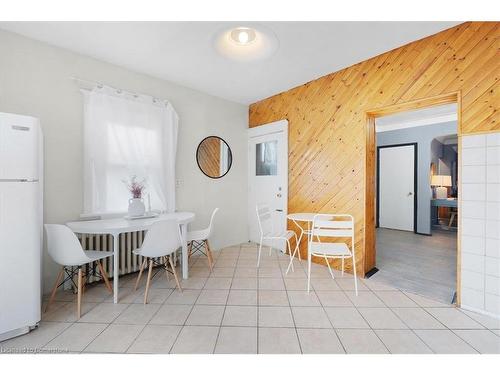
(291, 256)
(297, 245)
(290, 264)
(260, 250)
(329, 268)
(308, 273)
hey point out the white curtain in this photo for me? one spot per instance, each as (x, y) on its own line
(127, 135)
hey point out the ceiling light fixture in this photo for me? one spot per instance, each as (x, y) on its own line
(246, 43)
(243, 35)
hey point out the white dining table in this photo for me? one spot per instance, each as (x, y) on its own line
(115, 227)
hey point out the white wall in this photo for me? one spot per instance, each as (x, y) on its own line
(479, 188)
(34, 80)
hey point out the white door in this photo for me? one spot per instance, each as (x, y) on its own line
(268, 176)
(396, 187)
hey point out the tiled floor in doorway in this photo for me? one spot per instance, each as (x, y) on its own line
(238, 308)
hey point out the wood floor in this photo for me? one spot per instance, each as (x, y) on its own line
(425, 265)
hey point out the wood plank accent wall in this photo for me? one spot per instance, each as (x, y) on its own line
(328, 121)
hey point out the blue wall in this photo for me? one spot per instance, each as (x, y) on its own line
(423, 136)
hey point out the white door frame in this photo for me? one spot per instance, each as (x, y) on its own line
(280, 126)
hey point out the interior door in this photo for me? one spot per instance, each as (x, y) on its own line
(396, 187)
(268, 176)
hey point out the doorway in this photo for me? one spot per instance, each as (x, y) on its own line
(268, 177)
(397, 186)
(405, 248)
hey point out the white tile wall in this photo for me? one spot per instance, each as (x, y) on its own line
(492, 247)
(471, 297)
(493, 211)
(492, 266)
(473, 192)
(472, 280)
(472, 262)
(474, 156)
(480, 222)
(492, 303)
(474, 209)
(473, 245)
(492, 286)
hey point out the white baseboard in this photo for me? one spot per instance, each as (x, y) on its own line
(479, 311)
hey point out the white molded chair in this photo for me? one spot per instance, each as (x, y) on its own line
(328, 226)
(65, 249)
(162, 240)
(266, 228)
(198, 241)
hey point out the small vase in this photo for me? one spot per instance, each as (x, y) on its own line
(136, 207)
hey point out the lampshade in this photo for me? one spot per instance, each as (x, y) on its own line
(441, 180)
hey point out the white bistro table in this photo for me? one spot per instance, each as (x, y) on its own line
(301, 217)
(115, 227)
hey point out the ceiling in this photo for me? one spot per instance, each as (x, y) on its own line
(419, 117)
(184, 53)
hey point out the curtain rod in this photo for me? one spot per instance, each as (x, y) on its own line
(118, 91)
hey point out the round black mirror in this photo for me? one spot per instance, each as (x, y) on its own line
(214, 157)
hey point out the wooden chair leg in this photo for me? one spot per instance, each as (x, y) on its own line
(452, 217)
(148, 281)
(54, 290)
(79, 296)
(140, 274)
(209, 255)
(105, 277)
(175, 273)
(166, 268)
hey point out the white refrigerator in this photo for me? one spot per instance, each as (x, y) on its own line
(21, 219)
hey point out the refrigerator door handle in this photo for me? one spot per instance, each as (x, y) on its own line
(18, 180)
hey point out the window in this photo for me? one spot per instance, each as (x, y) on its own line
(266, 163)
(127, 135)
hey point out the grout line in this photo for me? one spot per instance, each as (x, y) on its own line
(225, 305)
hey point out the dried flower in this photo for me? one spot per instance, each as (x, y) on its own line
(135, 187)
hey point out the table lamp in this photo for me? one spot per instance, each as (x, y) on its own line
(441, 182)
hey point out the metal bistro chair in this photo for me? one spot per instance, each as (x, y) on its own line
(162, 240)
(65, 249)
(327, 226)
(265, 220)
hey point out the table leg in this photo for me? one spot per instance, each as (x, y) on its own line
(297, 247)
(185, 260)
(116, 270)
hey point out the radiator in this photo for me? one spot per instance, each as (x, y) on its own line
(128, 261)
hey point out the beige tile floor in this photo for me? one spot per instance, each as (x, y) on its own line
(238, 308)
